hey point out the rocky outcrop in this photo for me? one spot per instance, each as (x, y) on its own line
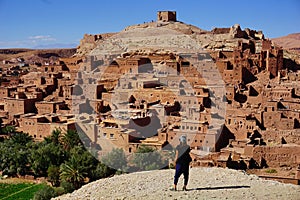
(167, 34)
(176, 26)
(205, 183)
(89, 42)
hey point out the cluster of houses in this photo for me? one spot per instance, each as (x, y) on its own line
(237, 107)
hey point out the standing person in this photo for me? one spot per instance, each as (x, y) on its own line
(182, 160)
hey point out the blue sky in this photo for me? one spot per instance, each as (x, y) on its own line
(62, 23)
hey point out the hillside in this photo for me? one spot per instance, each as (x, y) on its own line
(35, 55)
(291, 41)
(291, 45)
(205, 183)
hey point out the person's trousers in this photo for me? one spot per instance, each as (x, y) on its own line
(182, 169)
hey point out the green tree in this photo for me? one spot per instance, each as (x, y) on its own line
(147, 158)
(54, 137)
(67, 186)
(46, 193)
(70, 139)
(21, 138)
(14, 154)
(115, 159)
(9, 130)
(84, 159)
(72, 172)
(53, 175)
(45, 155)
(101, 171)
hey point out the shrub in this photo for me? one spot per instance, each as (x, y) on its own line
(67, 186)
(59, 190)
(53, 175)
(115, 159)
(271, 171)
(46, 193)
(101, 171)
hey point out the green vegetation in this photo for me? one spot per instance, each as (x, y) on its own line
(116, 159)
(61, 158)
(21, 191)
(146, 158)
(45, 193)
(271, 171)
(64, 161)
(53, 175)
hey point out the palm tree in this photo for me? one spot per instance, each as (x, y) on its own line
(8, 130)
(54, 137)
(72, 172)
(70, 139)
(21, 138)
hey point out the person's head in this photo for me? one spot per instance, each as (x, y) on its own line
(182, 139)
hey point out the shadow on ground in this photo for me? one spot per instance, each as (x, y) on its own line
(221, 187)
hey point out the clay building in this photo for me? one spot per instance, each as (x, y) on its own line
(41, 126)
(6, 91)
(19, 106)
(152, 97)
(166, 16)
(44, 107)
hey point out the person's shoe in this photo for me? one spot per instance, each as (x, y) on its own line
(184, 188)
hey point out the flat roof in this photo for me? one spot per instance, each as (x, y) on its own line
(49, 102)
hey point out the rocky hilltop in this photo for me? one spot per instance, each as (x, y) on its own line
(205, 183)
(218, 39)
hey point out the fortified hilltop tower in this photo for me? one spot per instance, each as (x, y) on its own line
(166, 16)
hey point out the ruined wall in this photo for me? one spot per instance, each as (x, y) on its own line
(166, 16)
(280, 155)
(89, 42)
(6, 92)
(279, 136)
(220, 30)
